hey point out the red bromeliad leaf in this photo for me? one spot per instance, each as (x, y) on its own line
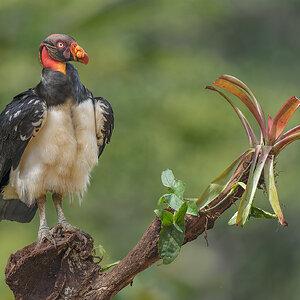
(282, 143)
(288, 133)
(233, 89)
(270, 123)
(250, 133)
(283, 117)
(242, 85)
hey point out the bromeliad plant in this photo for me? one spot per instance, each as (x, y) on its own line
(263, 151)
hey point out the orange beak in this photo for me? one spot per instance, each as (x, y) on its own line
(79, 54)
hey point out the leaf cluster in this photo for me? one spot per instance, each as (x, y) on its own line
(172, 216)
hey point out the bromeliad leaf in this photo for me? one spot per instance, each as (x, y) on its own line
(233, 89)
(254, 176)
(249, 131)
(271, 187)
(218, 185)
(283, 117)
(242, 85)
(282, 143)
(260, 213)
(255, 212)
(242, 184)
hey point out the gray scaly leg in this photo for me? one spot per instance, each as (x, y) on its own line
(57, 199)
(44, 232)
(63, 223)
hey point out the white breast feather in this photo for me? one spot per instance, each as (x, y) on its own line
(61, 156)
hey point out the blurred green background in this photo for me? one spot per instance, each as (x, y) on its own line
(152, 60)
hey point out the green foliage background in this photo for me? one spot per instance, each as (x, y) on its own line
(152, 60)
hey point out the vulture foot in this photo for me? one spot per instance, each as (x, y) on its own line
(64, 226)
(45, 234)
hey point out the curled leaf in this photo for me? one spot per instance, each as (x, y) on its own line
(249, 131)
(233, 89)
(242, 85)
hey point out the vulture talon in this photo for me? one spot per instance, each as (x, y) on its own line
(44, 235)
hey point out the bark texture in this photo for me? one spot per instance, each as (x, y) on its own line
(68, 271)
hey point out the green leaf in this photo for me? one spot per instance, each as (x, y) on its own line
(260, 213)
(178, 188)
(256, 168)
(271, 187)
(169, 243)
(179, 217)
(175, 186)
(192, 209)
(161, 200)
(167, 178)
(173, 201)
(165, 216)
(218, 185)
(171, 236)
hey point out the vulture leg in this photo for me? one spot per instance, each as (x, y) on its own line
(44, 232)
(63, 223)
(57, 199)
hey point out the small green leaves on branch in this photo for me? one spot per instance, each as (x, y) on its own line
(174, 198)
(172, 231)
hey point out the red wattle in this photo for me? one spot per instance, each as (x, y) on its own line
(48, 62)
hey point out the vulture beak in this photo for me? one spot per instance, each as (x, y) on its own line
(79, 54)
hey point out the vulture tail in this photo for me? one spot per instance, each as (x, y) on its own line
(16, 210)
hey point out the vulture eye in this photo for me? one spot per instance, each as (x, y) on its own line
(60, 44)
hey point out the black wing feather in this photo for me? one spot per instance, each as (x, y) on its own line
(19, 122)
(104, 122)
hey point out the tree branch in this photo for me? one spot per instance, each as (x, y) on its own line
(69, 272)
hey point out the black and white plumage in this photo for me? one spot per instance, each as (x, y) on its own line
(51, 137)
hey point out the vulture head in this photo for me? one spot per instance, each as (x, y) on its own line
(57, 49)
